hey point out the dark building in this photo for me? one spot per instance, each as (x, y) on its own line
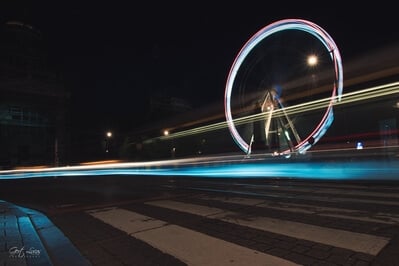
(163, 111)
(34, 126)
(162, 107)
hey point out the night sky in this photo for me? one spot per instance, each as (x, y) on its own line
(114, 55)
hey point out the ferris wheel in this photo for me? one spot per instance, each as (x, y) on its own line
(276, 101)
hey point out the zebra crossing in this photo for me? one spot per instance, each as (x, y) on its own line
(190, 246)
(233, 229)
(340, 238)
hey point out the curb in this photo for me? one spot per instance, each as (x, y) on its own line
(31, 238)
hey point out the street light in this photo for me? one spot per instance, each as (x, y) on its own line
(107, 139)
(173, 149)
(312, 60)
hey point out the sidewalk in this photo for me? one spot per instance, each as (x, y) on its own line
(27, 237)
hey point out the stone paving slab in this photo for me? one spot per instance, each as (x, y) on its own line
(28, 237)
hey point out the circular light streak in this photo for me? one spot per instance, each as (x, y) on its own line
(278, 26)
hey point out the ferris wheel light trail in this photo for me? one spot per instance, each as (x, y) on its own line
(283, 25)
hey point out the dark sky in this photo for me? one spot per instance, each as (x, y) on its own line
(115, 54)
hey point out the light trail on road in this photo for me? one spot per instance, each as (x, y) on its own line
(375, 92)
(229, 166)
(239, 166)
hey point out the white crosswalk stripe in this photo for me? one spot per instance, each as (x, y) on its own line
(384, 218)
(339, 238)
(201, 248)
(190, 246)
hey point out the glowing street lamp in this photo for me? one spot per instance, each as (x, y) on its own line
(173, 149)
(107, 140)
(312, 60)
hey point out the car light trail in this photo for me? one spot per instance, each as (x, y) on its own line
(225, 167)
(351, 97)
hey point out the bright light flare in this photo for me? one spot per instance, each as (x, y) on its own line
(312, 60)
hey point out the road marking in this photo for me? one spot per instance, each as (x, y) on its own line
(309, 196)
(189, 246)
(342, 190)
(312, 209)
(127, 221)
(236, 200)
(334, 237)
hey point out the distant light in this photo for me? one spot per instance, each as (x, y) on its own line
(312, 60)
(109, 134)
(359, 145)
(166, 133)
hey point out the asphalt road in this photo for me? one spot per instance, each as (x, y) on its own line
(132, 220)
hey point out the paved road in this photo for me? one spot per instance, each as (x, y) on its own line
(167, 221)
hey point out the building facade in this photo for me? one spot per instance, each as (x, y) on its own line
(34, 128)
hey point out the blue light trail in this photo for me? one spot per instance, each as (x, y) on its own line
(226, 167)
